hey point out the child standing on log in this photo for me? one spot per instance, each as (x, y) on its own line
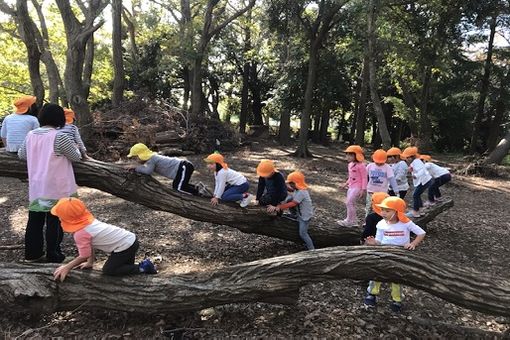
(179, 170)
(440, 176)
(73, 132)
(369, 229)
(299, 199)
(89, 234)
(356, 183)
(272, 189)
(421, 178)
(399, 168)
(16, 126)
(229, 185)
(380, 175)
(393, 230)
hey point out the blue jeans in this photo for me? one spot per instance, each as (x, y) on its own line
(436, 183)
(303, 233)
(417, 202)
(235, 192)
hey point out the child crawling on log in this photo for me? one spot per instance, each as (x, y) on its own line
(393, 230)
(89, 234)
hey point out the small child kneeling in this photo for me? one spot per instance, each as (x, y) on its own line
(393, 230)
(90, 234)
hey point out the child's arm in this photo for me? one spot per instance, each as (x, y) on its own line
(364, 177)
(415, 243)
(260, 188)
(22, 152)
(148, 167)
(279, 207)
(220, 183)
(90, 262)
(393, 184)
(61, 272)
(79, 141)
(66, 147)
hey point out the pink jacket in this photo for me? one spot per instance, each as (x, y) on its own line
(357, 176)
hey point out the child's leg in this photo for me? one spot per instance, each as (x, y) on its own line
(402, 194)
(235, 192)
(433, 189)
(374, 287)
(396, 292)
(442, 180)
(417, 202)
(54, 236)
(34, 240)
(181, 181)
(368, 204)
(352, 197)
(123, 262)
(303, 233)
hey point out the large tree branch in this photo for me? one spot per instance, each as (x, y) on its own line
(30, 288)
(148, 191)
(4, 7)
(227, 21)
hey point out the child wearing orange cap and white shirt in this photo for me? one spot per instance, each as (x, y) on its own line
(271, 187)
(400, 169)
(17, 125)
(421, 178)
(440, 176)
(73, 132)
(299, 199)
(394, 230)
(356, 183)
(380, 175)
(229, 185)
(89, 234)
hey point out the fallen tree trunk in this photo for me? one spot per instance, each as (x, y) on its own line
(30, 287)
(148, 191)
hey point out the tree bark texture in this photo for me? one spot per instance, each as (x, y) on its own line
(499, 153)
(117, 55)
(149, 192)
(424, 141)
(30, 287)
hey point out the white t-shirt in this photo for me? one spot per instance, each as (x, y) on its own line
(398, 234)
(420, 173)
(224, 177)
(435, 170)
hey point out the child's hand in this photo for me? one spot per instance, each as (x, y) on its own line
(85, 265)
(61, 272)
(410, 246)
(214, 201)
(370, 241)
(272, 208)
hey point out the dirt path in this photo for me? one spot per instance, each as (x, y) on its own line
(475, 233)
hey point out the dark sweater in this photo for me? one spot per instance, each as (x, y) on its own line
(369, 228)
(273, 189)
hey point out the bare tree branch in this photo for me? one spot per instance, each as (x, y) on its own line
(222, 25)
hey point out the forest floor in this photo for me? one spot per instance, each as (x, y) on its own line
(475, 233)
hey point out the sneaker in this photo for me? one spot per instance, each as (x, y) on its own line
(395, 306)
(246, 201)
(41, 259)
(203, 190)
(147, 267)
(439, 199)
(370, 301)
(428, 204)
(412, 213)
(348, 224)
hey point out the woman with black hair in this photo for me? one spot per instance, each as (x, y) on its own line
(49, 154)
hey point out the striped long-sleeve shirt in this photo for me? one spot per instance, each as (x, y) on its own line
(74, 133)
(63, 146)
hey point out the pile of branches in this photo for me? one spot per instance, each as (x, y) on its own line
(142, 120)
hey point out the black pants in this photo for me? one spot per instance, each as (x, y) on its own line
(123, 262)
(436, 183)
(34, 239)
(181, 180)
(270, 199)
(402, 193)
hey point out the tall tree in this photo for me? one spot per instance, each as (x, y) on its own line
(117, 55)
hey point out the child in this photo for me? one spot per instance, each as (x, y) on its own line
(230, 185)
(440, 176)
(16, 126)
(356, 183)
(399, 168)
(300, 199)
(72, 131)
(421, 178)
(179, 170)
(271, 188)
(49, 154)
(369, 229)
(379, 175)
(393, 230)
(90, 234)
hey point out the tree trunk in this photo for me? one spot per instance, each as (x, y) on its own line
(117, 55)
(484, 88)
(196, 88)
(382, 126)
(324, 127)
(302, 150)
(424, 141)
(148, 191)
(500, 152)
(361, 117)
(186, 76)
(256, 95)
(284, 129)
(243, 115)
(499, 115)
(316, 127)
(30, 288)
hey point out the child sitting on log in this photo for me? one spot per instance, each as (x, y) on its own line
(17, 125)
(393, 230)
(299, 199)
(73, 132)
(179, 170)
(272, 189)
(369, 229)
(440, 176)
(89, 234)
(229, 185)
(421, 178)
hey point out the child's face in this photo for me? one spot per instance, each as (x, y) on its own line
(350, 157)
(291, 186)
(389, 215)
(392, 159)
(211, 166)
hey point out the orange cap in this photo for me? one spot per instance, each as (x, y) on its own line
(357, 150)
(73, 214)
(377, 198)
(379, 156)
(23, 104)
(216, 158)
(394, 151)
(265, 168)
(410, 151)
(397, 204)
(427, 158)
(70, 116)
(298, 178)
